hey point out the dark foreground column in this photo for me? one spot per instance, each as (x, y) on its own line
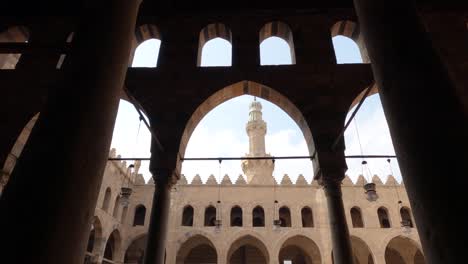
(426, 121)
(155, 247)
(47, 207)
(342, 253)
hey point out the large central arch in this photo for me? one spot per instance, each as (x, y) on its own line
(299, 249)
(248, 249)
(243, 88)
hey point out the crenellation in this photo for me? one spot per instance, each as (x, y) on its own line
(301, 180)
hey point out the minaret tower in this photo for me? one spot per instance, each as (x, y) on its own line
(257, 171)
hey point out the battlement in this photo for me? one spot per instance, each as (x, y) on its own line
(127, 170)
(286, 181)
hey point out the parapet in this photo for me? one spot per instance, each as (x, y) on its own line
(286, 181)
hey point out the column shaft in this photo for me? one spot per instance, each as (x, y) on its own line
(155, 247)
(426, 121)
(342, 253)
(50, 199)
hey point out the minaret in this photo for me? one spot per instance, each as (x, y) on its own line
(257, 171)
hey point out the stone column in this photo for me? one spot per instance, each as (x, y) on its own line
(155, 247)
(426, 120)
(50, 199)
(342, 253)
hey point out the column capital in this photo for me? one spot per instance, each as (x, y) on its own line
(332, 186)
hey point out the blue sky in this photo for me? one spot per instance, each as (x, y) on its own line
(224, 127)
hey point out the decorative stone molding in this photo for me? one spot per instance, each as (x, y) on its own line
(197, 180)
(286, 180)
(211, 180)
(240, 180)
(301, 180)
(226, 180)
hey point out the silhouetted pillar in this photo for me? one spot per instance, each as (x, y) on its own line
(342, 253)
(51, 197)
(157, 232)
(426, 120)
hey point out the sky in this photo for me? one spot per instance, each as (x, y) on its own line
(223, 128)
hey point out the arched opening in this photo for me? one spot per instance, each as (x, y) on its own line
(187, 216)
(116, 211)
(356, 217)
(236, 216)
(307, 217)
(16, 34)
(136, 251)
(288, 133)
(403, 250)
(140, 214)
(210, 216)
(216, 53)
(276, 44)
(106, 201)
(215, 46)
(95, 236)
(346, 50)
(197, 249)
(146, 45)
(258, 217)
(384, 220)
(123, 217)
(299, 250)
(112, 247)
(361, 251)
(406, 216)
(147, 53)
(285, 216)
(348, 43)
(248, 249)
(16, 151)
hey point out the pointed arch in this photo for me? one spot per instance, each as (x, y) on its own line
(95, 235)
(211, 32)
(113, 245)
(238, 89)
(16, 150)
(197, 249)
(350, 30)
(258, 216)
(136, 250)
(403, 250)
(299, 249)
(250, 248)
(280, 30)
(361, 251)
